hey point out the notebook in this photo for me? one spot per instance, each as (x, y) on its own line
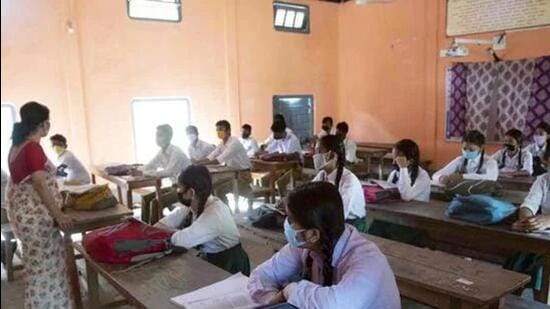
(228, 293)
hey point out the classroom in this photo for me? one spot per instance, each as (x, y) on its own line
(275, 154)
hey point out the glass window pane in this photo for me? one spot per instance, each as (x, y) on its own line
(299, 21)
(148, 113)
(289, 20)
(280, 17)
(154, 9)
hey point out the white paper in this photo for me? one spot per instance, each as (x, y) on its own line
(228, 293)
(381, 183)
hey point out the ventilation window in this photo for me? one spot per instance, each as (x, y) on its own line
(160, 10)
(290, 17)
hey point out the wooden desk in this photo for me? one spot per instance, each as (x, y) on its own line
(522, 183)
(274, 168)
(128, 183)
(430, 277)
(513, 196)
(85, 221)
(153, 284)
(495, 238)
(383, 146)
(220, 173)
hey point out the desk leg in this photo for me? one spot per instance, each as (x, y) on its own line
(72, 270)
(93, 179)
(369, 161)
(236, 193)
(129, 198)
(542, 295)
(160, 205)
(93, 286)
(119, 193)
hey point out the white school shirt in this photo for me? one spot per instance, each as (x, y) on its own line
(215, 230)
(539, 195)
(421, 189)
(232, 154)
(289, 145)
(200, 150)
(76, 172)
(351, 191)
(4, 185)
(511, 162)
(250, 145)
(323, 132)
(489, 170)
(536, 150)
(167, 163)
(362, 277)
(271, 138)
(351, 150)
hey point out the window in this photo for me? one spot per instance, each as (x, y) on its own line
(290, 17)
(148, 113)
(298, 112)
(161, 10)
(8, 119)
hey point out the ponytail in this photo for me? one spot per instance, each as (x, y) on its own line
(480, 165)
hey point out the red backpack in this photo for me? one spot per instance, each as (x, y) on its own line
(127, 242)
(376, 194)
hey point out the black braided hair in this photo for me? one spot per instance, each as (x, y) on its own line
(477, 138)
(318, 205)
(336, 145)
(410, 150)
(198, 178)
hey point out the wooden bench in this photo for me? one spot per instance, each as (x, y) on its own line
(520, 183)
(430, 277)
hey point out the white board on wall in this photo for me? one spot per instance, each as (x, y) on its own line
(478, 16)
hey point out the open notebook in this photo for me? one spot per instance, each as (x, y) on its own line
(228, 293)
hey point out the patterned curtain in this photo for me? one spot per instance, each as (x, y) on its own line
(498, 96)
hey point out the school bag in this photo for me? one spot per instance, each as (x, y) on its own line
(267, 217)
(376, 194)
(480, 209)
(127, 242)
(470, 187)
(95, 198)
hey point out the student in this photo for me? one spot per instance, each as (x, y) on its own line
(277, 117)
(284, 147)
(540, 143)
(513, 159)
(205, 222)
(170, 159)
(167, 163)
(472, 164)
(326, 127)
(249, 143)
(342, 130)
(330, 162)
(533, 215)
(413, 181)
(198, 149)
(68, 165)
(326, 263)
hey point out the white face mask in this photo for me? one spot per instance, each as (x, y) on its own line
(539, 139)
(192, 138)
(319, 161)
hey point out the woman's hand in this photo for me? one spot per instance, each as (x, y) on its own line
(402, 161)
(534, 223)
(65, 222)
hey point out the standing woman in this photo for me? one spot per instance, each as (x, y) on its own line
(34, 209)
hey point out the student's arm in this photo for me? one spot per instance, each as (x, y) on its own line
(449, 169)
(177, 160)
(153, 164)
(211, 158)
(269, 278)
(348, 198)
(527, 158)
(202, 230)
(174, 219)
(491, 172)
(527, 219)
(410, 192)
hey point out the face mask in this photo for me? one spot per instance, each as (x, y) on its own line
(192, 138)
(325, 128)
(510, 147)
(291, 235)
(539, 139)
(58, 149)
(470, 155)
(319, 161)
(221, 134)
(245, 135)
(183, 200)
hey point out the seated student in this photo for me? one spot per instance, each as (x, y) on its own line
(230, 152)
(167, 163)
(330, 162)
(342, 130)
(472, 164)
(249, 143)
(513, 159)
(326, 263)
(68, 165)
(326, 127)
(284, 147)
(206, 222)
(277, 117)
(541, 139)
(413, 181)
(198, 149)
(533, 215)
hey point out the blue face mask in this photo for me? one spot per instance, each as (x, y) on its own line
(470, 155)
(290, 234)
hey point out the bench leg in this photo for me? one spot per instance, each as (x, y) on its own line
(129, 199)
(236, 194)
(542, 295)
(119, 193)
(93, 286)
(72, 271)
